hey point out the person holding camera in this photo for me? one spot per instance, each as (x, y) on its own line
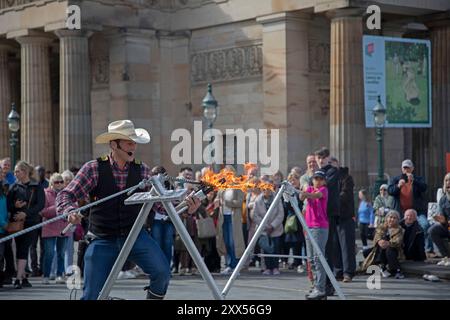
(408, 191)
(439, 231)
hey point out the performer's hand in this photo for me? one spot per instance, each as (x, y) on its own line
(193, 204)
(74, 218)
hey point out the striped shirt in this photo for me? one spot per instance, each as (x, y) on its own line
(86, 180)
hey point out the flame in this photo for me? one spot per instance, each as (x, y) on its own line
(227, 179)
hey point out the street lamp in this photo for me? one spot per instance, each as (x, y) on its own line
(210, 104)
(379, 114)
(14, 126)
(209, 107)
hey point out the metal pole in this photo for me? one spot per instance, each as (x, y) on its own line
(252, 243)
(187, 240)
(279, 256)
(317, 251)
(12, 142)
(62, 216)
(126, 249)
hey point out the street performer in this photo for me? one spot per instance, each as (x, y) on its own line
(111, 221)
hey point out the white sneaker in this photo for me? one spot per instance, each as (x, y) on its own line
(126, 275)
(444, 262)
(45, 281)
(385, 274)
(60, 280)
(300, 269)
(226, 271)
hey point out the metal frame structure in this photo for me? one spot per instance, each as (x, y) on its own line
(159, 194)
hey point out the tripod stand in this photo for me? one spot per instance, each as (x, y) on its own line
(158, 194)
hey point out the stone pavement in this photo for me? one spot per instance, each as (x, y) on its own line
(250, 285)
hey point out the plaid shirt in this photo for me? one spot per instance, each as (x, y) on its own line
(87, 179)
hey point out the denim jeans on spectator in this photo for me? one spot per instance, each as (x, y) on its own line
(272, 263)
(54, 245)
(345, 262)
(68, 258)
(102, 253)
(320, 235)
(163, 233)
(227, 229)
(425, 225)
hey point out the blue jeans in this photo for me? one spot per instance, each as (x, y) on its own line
(49, 253)
(272, 263)
(227, 229)
(423, 222)
(68, 259)
(101, 254)
(163, 233)
(320, 235)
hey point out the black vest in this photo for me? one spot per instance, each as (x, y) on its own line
(113, 218)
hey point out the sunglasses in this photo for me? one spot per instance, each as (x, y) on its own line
(58, 182)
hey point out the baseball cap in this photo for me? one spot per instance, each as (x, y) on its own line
(407, 163)
(319, 174)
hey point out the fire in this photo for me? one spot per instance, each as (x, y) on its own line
(227, 179)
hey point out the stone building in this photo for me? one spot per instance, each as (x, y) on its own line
(293, 65)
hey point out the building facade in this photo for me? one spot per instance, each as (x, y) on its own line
(292, 65)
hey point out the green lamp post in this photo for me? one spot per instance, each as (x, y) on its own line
(379, 113)
(14, 126)
(209, 107)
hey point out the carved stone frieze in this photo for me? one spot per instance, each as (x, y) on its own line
(226, 64)
(319, 57)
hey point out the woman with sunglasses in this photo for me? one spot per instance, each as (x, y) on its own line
(51, 233)
(382, 205)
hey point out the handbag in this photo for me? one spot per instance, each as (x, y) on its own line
(16, 226)
(205, 228)
(266, 243)
(291, 224)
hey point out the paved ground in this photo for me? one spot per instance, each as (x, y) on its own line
(251, 285)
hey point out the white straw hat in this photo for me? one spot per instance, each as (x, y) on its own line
(123, 129)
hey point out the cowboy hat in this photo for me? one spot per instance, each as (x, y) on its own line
(124, 130)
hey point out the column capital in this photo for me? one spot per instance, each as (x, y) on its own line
(346, 13)
(65, 33)
(33, 37)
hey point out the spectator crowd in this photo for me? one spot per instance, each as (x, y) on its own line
(395, 226)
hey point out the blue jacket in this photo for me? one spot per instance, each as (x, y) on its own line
(365, 213)
(3, 214)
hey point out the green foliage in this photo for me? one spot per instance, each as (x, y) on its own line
(401, 113)
(406, 51)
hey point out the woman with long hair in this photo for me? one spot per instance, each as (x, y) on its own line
(25, 201)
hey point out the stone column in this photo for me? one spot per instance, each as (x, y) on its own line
(134, 86)
(285, 85)
(439, 138)
(36, 139)
(5, 99)
(347, 124)
(75, 137)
